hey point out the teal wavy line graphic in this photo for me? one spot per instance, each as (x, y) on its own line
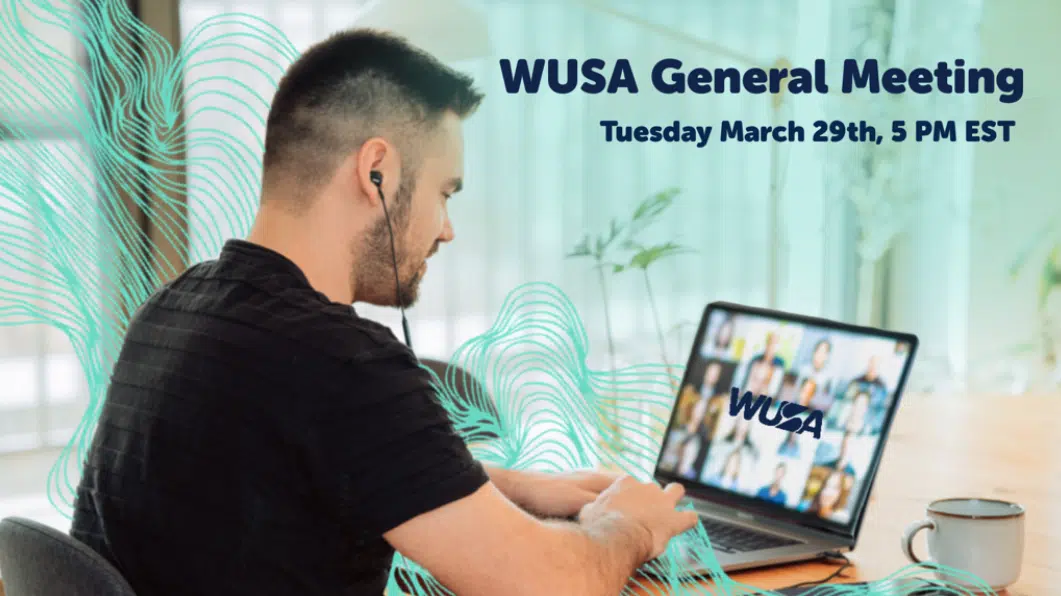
(74, 254)
(526, 381)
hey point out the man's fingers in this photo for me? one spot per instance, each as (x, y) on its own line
(575, 499)
(675, 491)
(685, 521)
(586, 496)
(598, 480)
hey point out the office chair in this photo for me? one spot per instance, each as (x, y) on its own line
(467, 388)
(37, 560)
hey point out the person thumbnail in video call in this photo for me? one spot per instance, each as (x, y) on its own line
(850, 378)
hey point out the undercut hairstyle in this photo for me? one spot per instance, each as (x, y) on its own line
(353, 86)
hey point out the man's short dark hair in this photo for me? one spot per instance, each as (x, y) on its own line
(353, 86)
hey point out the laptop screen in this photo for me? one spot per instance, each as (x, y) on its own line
(735, 427)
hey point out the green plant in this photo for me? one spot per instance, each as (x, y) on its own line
(598, 249)
(602, 249)
(642, 260)
(679, 329)
(646, 256)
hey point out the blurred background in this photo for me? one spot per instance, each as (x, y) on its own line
(958, 243)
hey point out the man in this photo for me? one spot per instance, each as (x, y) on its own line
(850, 415)
(701, 425)
(260, 437)
(842, 461)
(712, 374)
(769, 353)
(772, 492)
(870, 380)
(817, 371)
(762, 367)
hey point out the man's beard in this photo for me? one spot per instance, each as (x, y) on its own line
(375, 278)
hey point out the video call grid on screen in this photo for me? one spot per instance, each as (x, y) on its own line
(851, 378)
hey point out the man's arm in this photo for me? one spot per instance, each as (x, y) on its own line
(506, 481)
(392, 465)
(484, 544)
(555, 495)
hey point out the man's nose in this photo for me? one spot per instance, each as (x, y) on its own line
(447, 234)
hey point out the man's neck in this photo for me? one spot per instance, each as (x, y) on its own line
(309, 251)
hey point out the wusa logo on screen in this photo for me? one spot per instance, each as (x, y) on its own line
(790, 413)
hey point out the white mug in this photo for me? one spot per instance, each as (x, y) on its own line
(982, 537)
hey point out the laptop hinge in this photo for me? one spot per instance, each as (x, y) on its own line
(785, 525)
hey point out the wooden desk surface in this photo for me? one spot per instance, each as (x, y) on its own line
(1000, 447)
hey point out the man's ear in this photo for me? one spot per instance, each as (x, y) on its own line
(378, 155)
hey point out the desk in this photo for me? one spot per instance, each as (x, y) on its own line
(998, 447)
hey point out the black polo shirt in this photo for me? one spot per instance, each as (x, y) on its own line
(257, 438)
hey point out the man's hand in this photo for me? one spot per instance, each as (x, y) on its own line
(484, 544)
(651, 508)
(552, 495)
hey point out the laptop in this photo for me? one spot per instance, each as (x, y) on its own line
(778, 430)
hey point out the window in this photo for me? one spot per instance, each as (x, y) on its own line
(49, 287)
(540, 176)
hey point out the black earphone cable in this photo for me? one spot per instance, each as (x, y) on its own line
(377, 179)
(930, 587)
(831, 556)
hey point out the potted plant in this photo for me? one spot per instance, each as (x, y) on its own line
(617, 250)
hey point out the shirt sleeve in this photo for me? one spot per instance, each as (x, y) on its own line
(384, 448)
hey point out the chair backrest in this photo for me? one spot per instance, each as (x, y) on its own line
(466, 386)
(37, 560)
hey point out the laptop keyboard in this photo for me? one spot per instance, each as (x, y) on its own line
(738, 539)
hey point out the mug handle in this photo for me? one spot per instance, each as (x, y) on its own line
(908, 538)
